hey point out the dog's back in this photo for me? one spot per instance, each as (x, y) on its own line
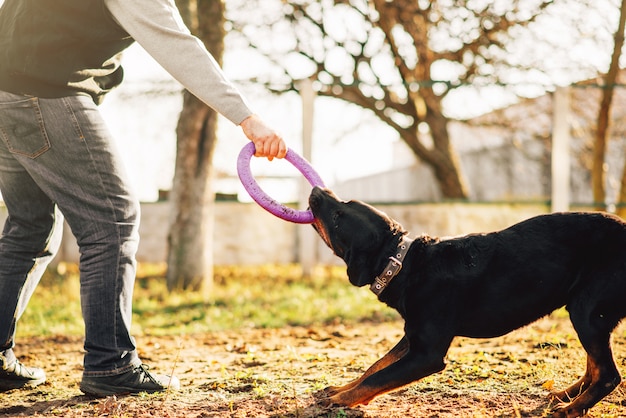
(524, 272)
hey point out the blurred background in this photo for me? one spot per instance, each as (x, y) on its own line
(452, 116)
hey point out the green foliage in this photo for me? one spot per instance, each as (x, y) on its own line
(268, 296)
(55, 306)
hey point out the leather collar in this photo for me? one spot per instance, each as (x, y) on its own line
(393, 267)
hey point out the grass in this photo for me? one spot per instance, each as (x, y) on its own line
(245, 370)
(267, 296)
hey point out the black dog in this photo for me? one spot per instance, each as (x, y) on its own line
(481, 285)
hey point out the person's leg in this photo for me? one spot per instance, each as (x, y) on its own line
(83, 174)
(25, 251)
(31, 234)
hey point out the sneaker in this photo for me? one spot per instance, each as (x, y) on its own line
(15, 375)
(139, 379)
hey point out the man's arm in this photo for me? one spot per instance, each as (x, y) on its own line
(158, 27)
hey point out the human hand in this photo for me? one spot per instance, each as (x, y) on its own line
(267, 141)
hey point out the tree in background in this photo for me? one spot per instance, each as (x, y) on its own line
(404, 59)
(603, 122)
(190, 259)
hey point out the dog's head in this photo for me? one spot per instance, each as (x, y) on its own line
(361, 235)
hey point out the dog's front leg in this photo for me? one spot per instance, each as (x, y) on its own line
(391, 357)
(409, 368)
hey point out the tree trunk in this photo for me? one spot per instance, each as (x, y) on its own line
(190, 261)
(598, 170)
(444, 160)
(621, 199)
(442, 157)
(613, 71)
(190, 252)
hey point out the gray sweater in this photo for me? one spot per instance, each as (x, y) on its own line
(158, 27)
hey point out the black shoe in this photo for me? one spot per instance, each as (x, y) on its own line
(133, 381)
(15, 375)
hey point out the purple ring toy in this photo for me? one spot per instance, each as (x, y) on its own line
(266, 202)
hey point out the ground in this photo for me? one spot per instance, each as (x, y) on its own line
(276, 372)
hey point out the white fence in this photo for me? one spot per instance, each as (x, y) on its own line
(247, 235)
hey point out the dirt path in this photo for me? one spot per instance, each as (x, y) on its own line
(274, 373)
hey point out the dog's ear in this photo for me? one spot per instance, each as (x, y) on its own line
(359, 269)
(362, 260)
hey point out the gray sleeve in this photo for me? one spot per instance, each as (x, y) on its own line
(158, 27)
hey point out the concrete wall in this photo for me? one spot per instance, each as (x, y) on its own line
(245, 234)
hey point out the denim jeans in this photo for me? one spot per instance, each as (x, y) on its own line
(57, 160)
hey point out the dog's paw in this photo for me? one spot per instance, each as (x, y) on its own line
(323, 397)
(562, 397)
(566, 410)
(332, 390)
(327, 392)
(320, 394)
(562, 406)
(324, 400)
(327, 398)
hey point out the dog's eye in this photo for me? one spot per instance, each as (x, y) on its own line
(336, 217)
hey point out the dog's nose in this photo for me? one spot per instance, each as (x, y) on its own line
(314, 197)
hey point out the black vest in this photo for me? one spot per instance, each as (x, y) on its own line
(56, 48)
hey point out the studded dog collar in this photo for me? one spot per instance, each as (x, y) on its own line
(393, 267)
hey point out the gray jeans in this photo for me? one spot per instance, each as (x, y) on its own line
(57, 160)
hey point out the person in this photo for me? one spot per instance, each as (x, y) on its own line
(58, 59)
